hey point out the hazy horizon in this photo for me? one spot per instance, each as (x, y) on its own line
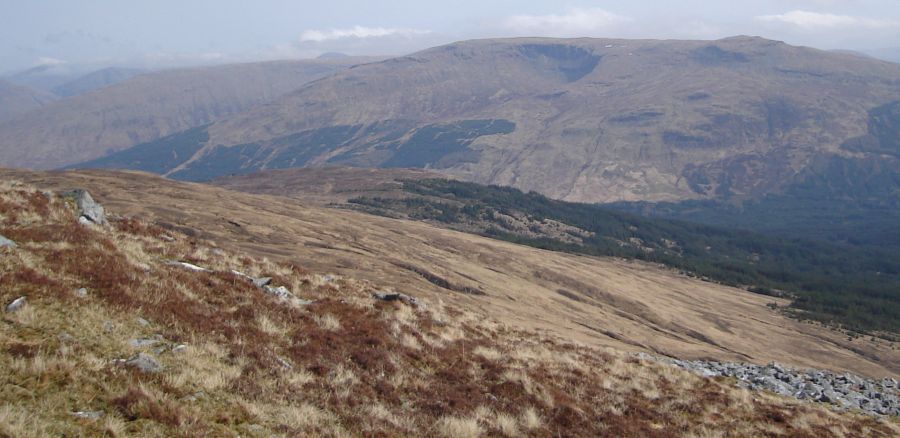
(166, 33)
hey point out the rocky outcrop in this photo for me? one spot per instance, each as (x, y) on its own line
(844, 391)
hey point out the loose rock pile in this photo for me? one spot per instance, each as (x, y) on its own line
(844, 391)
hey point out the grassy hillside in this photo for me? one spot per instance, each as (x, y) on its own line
(234, 361)
(853, 287)
(611, 302)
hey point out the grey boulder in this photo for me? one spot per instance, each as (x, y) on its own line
(144, 363)
(87, 207)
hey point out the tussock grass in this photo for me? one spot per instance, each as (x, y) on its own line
(239, 362)
(459, 427)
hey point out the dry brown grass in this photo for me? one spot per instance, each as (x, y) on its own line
(346, 365)
(625, 305)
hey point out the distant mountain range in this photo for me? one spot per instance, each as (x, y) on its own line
(46, 76)
(581, 119)
(147, 107)
(96, 80)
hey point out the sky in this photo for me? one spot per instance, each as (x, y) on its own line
(164, 33)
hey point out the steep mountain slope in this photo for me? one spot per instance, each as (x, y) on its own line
(326, 185)
(17, 99)
(600, 301)
(582, 119)
(129, 329)
(148, 107)
(852, 199)
(96, 79)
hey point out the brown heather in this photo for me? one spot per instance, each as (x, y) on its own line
(346, 365)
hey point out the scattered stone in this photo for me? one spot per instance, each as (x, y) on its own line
(16, 304)
(389, 296)
(265, 283)
(242, 275)
(188, 266)
(87, 207)
(279, 292)
(81, 292)
(284, 293)
(167, 238)
(284, 363)
(89, 415)
(262, 281)
(6, 243)
(194, 397)
(144, 363)
(142, 321)
(180, 348)
(842, 391)
(142, 343)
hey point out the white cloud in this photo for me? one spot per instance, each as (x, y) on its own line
(46, 60)
(360, 32)
(817, 20)
(575, 22)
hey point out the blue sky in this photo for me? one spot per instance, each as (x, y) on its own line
(166, 32)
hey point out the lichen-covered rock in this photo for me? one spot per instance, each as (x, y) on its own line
(87, 207)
